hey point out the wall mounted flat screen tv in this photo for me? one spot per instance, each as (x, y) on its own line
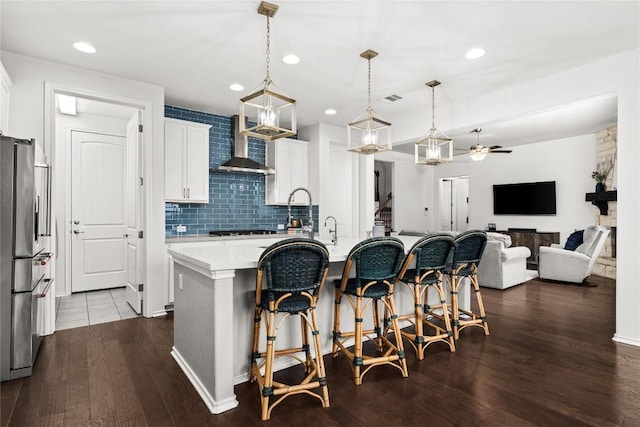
(528, 198)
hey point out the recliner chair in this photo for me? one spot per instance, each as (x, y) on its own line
(557, 263)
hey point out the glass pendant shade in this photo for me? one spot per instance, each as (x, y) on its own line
(368, 133)
(268, 113)
(477, 156)
(434, 147)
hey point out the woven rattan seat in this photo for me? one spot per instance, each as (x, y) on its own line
(377, 263)
(468, 250)
(429, 256)
(293, 272)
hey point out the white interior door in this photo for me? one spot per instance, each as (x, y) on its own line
(134, 214)
(461, 203)
(98, 211)
(446, 205)
(454, 204)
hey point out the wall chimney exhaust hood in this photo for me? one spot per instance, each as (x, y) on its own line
(240, 161)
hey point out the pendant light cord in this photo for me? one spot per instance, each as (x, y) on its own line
(433, 107)
(268, 79)
(369, 88)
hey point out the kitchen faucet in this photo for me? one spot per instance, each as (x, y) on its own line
(334, 239)
(309, 226)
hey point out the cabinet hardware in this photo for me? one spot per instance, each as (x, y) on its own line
(77, 232)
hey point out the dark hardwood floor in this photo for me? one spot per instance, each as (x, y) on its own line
(549, 361)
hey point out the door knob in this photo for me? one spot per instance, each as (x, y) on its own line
(76, 222)
(77, 232)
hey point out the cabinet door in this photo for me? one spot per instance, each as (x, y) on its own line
(197, 170)
(289, 158)
(299, 161)
(175, 144)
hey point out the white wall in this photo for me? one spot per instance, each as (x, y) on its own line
(412, 185)
(569, 162)
(27, 115)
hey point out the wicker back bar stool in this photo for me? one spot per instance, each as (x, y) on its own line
(468, 250)
(290, 276)
(424, 267)
(377, 263)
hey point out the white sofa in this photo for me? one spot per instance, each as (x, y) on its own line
(503, 266)
(557, 263)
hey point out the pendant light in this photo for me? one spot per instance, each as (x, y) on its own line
(271, 111)
(434, 147)
(478, 152)
(368, 133)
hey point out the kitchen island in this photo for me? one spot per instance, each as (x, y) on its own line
(214, 308)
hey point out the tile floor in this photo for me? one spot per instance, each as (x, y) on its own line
(91, 308)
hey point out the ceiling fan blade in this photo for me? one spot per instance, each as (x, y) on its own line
(495, 147)
(500, 151)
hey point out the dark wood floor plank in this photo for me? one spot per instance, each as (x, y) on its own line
(9, 392)
(549, 361)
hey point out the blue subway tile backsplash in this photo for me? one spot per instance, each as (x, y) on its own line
(236, 199)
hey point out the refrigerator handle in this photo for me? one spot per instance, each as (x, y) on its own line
(57, 238)
(48, 205)
(45, 209)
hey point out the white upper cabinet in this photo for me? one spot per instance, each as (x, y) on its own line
(5, 90)
(186, 160)
(290, 159)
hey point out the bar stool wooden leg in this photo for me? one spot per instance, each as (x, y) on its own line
(419, 295)
(256, 342)
(336, 322)
(267, 390)
(376, 326)
(398, 336)
(455, 283)
(322, 376)
(357, 350)
(445, 315)
(483, 315)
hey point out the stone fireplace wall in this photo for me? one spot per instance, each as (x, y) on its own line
(606, 148)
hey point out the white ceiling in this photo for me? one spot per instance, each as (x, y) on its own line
(195, 50)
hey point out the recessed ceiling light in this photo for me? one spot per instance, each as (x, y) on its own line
(330, 112)
(290, 59)
(475, 53)
(84, 47)
(237, 87)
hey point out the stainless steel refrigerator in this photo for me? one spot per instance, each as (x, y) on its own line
(24, 221)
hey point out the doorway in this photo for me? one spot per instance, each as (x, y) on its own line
(383, 194)
(454, 203)
(97, 159)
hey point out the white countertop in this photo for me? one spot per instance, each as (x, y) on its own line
(217, 257)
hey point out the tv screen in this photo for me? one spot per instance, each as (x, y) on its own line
(528, 198)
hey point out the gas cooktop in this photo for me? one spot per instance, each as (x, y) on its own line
(240, 232)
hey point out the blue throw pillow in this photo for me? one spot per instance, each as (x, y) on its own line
(574, 240)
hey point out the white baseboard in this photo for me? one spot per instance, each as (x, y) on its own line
(214, 407)
(628, 341)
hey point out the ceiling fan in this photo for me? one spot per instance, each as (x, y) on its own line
(479, 151)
